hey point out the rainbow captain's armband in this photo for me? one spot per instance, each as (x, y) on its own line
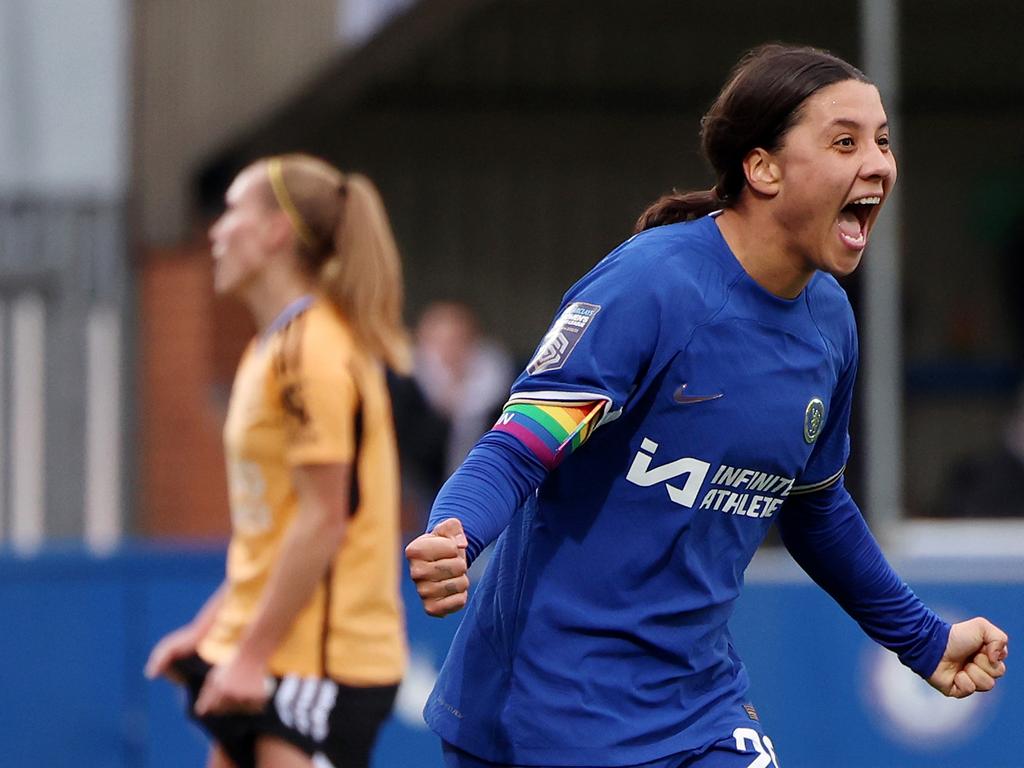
(550, 429)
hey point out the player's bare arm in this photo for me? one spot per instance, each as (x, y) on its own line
(310, 544)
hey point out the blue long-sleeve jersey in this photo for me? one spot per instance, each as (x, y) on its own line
(599, 634)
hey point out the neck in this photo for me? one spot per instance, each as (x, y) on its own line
(762, 249)
(267, 298)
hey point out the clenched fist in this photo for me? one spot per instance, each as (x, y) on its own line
(973, 660)
(437, 564)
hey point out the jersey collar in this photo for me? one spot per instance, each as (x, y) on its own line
(286, 315)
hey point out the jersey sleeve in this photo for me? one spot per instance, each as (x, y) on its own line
(319, 399)
(826, 534)
(832, 447)
(601, 342)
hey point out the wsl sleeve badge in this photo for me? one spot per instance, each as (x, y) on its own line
(559, 342)
(814, 420)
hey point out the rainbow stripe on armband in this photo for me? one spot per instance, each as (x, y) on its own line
(551, 430)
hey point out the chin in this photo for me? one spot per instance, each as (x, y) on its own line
(843, 266)
(222, 287)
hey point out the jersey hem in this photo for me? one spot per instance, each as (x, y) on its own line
(625, 757)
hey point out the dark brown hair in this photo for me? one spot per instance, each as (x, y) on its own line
(760, 102)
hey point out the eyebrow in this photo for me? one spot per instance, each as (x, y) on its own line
(851, 123)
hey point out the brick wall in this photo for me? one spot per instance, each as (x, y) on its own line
(189, 344)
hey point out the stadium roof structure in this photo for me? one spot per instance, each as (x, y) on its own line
(534, 131)
(462, 57)
(608, 56)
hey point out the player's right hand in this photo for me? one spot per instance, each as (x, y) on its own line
(974, 659)
(437, 565)
(172, 646)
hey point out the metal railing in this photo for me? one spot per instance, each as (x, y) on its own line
(63, 285)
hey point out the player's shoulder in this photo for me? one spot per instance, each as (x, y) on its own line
(827, 298)
(324, 323)
(830, 308)
(316, 338)
(682, 261)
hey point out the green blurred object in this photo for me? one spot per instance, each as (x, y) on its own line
(998, 204)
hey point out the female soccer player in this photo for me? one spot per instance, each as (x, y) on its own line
(701, 376)
(301, 649)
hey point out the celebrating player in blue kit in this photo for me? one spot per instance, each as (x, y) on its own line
(701, 376)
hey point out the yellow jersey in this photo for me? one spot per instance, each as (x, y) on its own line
(305, 394)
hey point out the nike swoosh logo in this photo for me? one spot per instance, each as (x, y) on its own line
(680, 396)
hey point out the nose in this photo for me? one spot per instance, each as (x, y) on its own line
(878, 164)
(211, 233)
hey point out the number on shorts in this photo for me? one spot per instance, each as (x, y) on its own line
(765, 751)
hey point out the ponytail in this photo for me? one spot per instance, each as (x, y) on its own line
(679, 206)
(343, 237)
(363, 276)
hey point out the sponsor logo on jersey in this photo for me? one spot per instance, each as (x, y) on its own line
(814, 420)
(733, 491)
(559, 342)
(250, 511)
(694, 470)
(681, 397)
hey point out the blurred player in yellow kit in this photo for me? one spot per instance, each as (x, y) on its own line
(300, 651)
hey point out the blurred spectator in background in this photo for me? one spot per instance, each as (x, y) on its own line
(460, 382)
(989, 484)
(464, 375)
(301, 649)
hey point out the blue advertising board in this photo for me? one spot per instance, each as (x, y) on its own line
(78, 628)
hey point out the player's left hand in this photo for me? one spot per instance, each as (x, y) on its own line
(973, 660)
(236, 686)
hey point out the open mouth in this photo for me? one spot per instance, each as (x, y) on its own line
(854, 218)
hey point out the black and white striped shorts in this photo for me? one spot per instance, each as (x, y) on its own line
(336, 723)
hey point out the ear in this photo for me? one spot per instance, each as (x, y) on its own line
(762, 172)
(278, 229)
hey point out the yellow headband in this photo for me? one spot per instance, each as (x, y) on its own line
(284, 200)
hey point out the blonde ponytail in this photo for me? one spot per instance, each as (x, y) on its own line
(364, 276)
(344, 237)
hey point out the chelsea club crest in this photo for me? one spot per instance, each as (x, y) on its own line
(814, 420)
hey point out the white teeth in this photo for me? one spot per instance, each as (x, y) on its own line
(857, 241)
(867, 201)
